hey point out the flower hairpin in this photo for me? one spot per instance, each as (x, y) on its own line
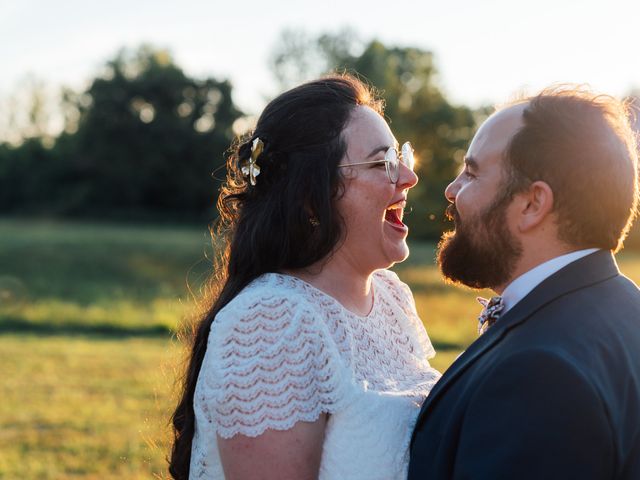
(251, 168)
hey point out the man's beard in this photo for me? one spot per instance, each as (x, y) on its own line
(481, 252)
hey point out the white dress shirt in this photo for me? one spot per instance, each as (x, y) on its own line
(521, 286)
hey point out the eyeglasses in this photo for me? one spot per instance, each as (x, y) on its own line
(392, 161)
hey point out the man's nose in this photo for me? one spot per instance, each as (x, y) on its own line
(452, 190)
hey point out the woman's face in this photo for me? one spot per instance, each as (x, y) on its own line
(372, 207)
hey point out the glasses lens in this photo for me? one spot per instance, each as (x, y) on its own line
(391, 157)
(407, 155)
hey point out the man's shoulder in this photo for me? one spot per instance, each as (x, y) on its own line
(596, 329)
(598, 311)
(608, 305)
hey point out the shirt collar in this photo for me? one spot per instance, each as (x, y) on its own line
(521, 286)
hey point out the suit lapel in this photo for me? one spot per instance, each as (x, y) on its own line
(586, 271)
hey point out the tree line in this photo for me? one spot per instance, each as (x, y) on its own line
(147, 141)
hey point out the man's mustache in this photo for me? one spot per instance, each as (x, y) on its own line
(451, 213)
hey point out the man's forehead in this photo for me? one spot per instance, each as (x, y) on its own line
(495, 133)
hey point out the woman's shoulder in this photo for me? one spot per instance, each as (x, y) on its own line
(397, 295)
(270, 362)
(271, 294)
(274, 308)
(386, 275)
(268, 300)
(390, 282)
(267, 291)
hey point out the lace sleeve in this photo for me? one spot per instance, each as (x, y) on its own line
(274, 366)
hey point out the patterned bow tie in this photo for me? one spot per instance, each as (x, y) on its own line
(490, 312)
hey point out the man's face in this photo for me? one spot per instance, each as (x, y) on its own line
(482, 251)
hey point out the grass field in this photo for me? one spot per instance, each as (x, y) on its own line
(87, 354)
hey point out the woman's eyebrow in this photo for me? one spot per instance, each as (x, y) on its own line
(375, 151)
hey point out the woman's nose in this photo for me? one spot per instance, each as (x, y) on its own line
(407, 177)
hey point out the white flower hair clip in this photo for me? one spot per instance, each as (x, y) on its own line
(251, 168)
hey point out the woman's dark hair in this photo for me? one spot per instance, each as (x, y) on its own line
(285, 221)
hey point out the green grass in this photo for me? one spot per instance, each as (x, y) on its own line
(86, 408)
(87, 313)
(98, 278)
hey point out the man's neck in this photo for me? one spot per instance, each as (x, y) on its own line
(525, 283)
(533, 257)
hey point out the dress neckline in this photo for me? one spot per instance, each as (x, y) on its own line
(314, 289)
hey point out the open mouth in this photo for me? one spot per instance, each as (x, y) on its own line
(394, 213)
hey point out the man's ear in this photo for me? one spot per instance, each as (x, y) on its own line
(535, 205)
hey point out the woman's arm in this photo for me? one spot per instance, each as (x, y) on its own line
(275, 454)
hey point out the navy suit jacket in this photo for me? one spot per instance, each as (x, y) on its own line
(551, 391)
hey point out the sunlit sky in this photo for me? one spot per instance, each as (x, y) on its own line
(485, 50)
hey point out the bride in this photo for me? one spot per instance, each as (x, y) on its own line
(311, 361)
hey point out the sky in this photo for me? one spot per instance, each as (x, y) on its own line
(485, 50)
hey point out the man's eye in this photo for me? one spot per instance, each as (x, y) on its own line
(468, 174)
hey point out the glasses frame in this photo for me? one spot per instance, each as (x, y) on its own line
(392, 156)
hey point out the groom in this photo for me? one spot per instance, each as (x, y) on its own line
(551, 388)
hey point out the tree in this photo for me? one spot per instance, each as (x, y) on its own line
(416, 108)
(142, 140)
(298, 57)
(147, 137)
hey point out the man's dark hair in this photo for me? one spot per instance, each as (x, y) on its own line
(581, 144)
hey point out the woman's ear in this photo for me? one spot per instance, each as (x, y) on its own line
(535, 205)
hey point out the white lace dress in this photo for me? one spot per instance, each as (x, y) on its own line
(282, 352)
